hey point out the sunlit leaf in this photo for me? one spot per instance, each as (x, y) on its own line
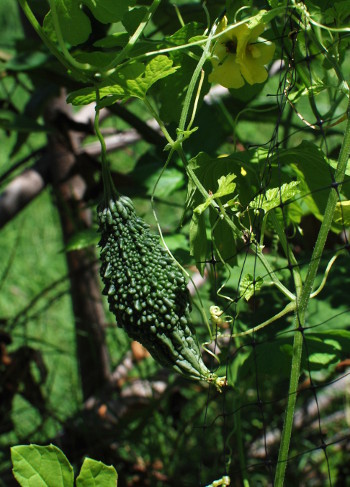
(41, 466)
(225, 187)
(249, 286)
(342, 213)
(96, 474)
(158, 68)
(275, 196)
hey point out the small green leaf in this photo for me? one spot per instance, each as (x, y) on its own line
(342, 213)
(275, 196)
(225, 188)
(41, 466)
(159, 67)
(83, 239)
(96, 474)
(84, 96)
(249, 286)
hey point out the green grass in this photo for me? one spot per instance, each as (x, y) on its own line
(33, 260)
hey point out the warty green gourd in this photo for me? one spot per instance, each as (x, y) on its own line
(147, 291)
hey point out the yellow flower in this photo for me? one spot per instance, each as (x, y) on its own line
(239, 56)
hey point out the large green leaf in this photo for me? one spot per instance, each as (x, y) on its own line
(177, 85)
(133, 80)
(41, 466)
(309, 164)
(75, 24)
(133, 18)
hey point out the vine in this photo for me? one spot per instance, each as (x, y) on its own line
(229, 196)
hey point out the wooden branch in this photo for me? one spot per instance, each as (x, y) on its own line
(23, 189)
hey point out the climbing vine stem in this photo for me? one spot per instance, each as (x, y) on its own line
(302, 304)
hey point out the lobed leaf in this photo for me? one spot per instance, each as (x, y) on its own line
(275, 196)
(250, 285)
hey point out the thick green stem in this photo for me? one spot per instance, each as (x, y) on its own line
(302, 305)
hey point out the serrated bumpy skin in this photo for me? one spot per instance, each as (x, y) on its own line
(146, 290)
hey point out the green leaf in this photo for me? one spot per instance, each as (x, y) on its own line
(10, 120)
(171, 180)
(275, 196)
(225, 187)
(108, 11)
(133, 18)
(159, 67)
(117, 39)
(133, 80)
(321, 351)
(83, 239)
(88, 95)
(177, 85)
(224, 240)
(339, 13)
(249, 286)
(96, 474)
(312, 170)
(210, 169)
(342, 213)
(27, 59)
(41, 466)
(198, 241)
(75, 24)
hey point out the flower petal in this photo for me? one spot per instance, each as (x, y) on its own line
(253, 72)
(252, 64)
(266, 51)
(227, 74)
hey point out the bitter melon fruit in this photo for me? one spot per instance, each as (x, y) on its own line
(147, 291)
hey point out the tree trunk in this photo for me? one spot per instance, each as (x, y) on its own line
(75, 216)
